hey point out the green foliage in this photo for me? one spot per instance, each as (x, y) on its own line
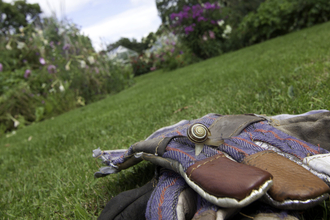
(202, 29)
(167, 7)
(236, 10)
(172, 54)
(167, 53)
(133, 44)
(48, 71)
(276, 18)
(142, 64)
(16, 15)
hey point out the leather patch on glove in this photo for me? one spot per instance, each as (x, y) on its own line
(291, 181)
(222, 177)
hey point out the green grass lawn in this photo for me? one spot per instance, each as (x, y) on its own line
(47, 168)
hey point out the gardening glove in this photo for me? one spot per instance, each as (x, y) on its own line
(170, 149)
(248, 139)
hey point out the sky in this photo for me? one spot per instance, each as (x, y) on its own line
(105, 21)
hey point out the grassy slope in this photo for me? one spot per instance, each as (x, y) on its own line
(51, 176)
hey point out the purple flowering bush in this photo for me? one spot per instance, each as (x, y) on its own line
(50, 70)
(202, 28)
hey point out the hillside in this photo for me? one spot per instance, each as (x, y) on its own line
(47, 168)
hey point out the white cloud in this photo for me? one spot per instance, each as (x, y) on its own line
(136, 22)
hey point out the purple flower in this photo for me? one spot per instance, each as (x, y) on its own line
(24, 61)
(189, 29)
(42, 61)
(181, 52)
(208, 5)
(172, 50)
(1, 67)
(27, 73)
(153, 68)
(201, 18)
(43, 102)
(66, 47)
(173, 16)
(51, 69)
(186, 8)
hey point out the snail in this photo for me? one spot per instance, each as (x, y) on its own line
(200, 135)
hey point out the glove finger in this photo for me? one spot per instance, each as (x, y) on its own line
(227, 183)
(319, 162)
(130, 204)
(171, 199)
(186, 206)
(209, 211)
(319, 171)
(294, 187)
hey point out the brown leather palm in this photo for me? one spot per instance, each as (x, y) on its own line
(291, 181)
(222, 177)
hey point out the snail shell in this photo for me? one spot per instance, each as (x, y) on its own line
(198, 133)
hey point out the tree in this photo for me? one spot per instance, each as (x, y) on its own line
(17, 14)
(238, 9)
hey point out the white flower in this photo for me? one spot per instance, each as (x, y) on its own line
(40, 32)
(46, 42)
(221, 22)
(8, 47)
(43, 85)
(227, 29)
(67, 66)
(61, 88)
(21, 29)
(20, 45)
(60, 31)
(82, 64)
(91, 59)
(16, 123)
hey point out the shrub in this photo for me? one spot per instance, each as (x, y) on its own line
(171, 53)
(50, 68)
(276, 18)
(202, 28)
(142, 64)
